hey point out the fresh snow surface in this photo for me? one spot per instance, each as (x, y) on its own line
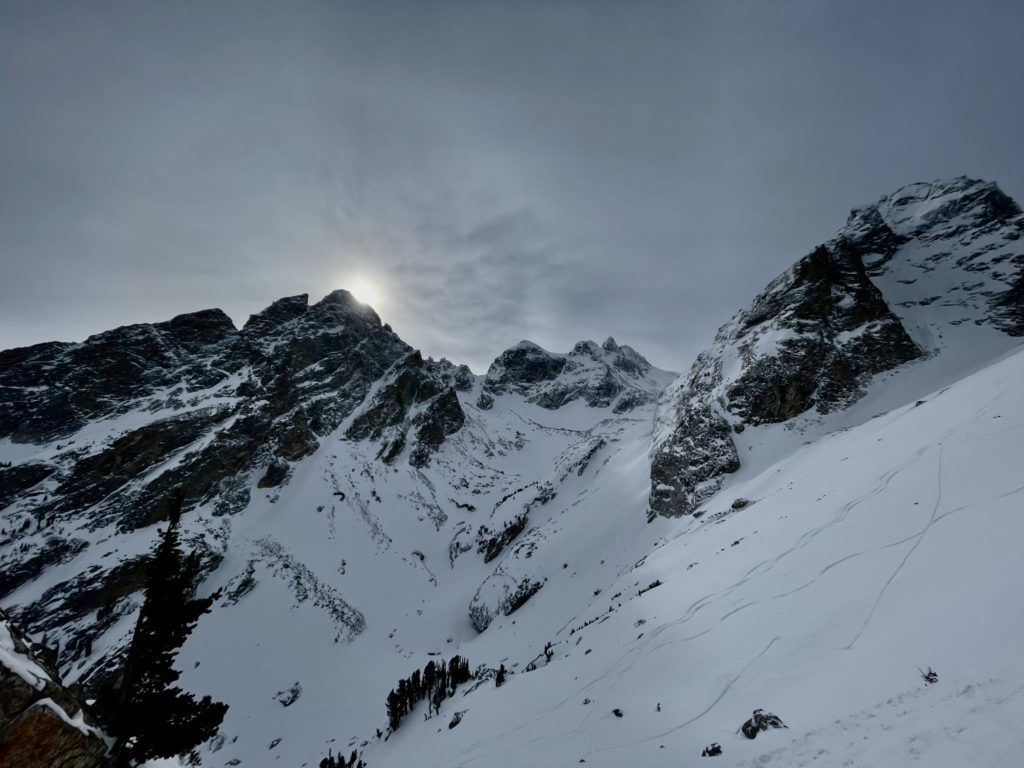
(18, 663)
(865, 556)
(77, 722)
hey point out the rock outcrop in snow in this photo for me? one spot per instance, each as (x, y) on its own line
(819, 333)
(42, 724)
(602, 376)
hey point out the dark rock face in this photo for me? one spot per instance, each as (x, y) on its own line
(841, 332)
(458, 377)
(18, 568)
(441, 418)
(97, 476)
(275, 474)
(408, 385)
(40, 738)
(810, 340)
(51, 390)
(601, 376)
(491, 543)
(95, 592)
(16, 480)
(522, 365)
(818, 333)
(1008, 307)
(498, 596)
(35, 710)
(687, 467)
(414, 396)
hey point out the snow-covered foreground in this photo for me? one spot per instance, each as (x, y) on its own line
(865, 556)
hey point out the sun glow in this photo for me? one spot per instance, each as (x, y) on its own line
(366, 291)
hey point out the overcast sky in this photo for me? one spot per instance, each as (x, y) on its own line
(548, 170)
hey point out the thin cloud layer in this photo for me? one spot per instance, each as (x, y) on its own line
(500, 171)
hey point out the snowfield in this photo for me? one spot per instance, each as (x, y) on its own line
(865, 556)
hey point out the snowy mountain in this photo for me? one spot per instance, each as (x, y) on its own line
(830, 493)
(933, 273)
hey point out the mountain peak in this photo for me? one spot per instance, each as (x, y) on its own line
(277, 314)
(340, 303)
(601, 376)
(943, 207)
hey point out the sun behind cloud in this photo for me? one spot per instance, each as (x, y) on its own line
(366, 290)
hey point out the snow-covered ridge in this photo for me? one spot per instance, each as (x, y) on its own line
(18, 661)
(602, 376)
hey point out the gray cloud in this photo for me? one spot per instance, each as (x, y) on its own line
(534, 170)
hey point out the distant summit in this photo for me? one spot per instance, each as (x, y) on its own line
(601, 376)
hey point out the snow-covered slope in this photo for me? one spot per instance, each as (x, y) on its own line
(434, 507)
(863, 556)
(842, 456)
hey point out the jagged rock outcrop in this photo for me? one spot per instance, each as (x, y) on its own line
(42, 724)
(51, 390)
(243, 402)
(601, 376)
(688, 464)
(849, 310)
(811, 339)
(415, 395)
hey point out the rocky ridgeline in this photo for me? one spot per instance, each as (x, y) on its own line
(224, 403)
(819, 332)
(131, 414)
(601, 376)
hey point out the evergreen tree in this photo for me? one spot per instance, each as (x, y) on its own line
(145, 713)
(499, 679)
(405, 697)
(429, 678)
(394, 711)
